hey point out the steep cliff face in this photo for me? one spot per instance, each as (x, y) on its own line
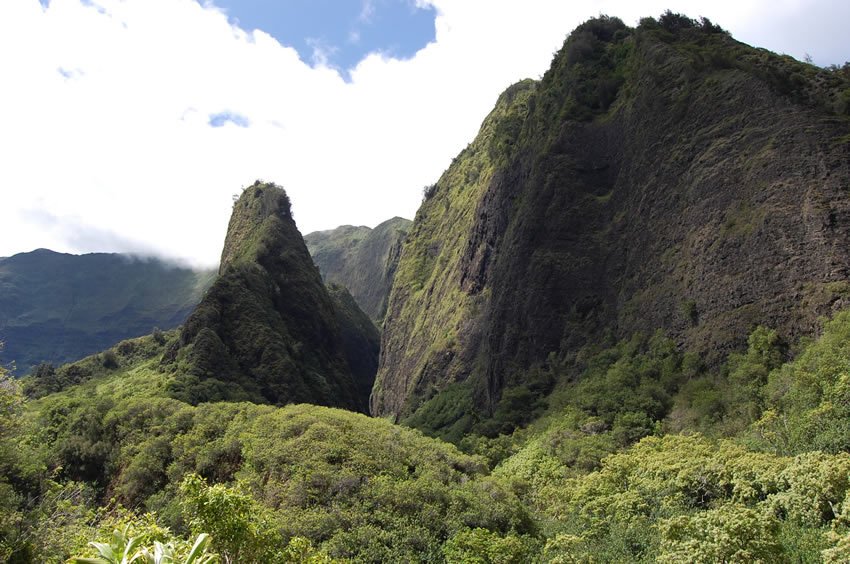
(665, 177)
(432, 330)
(267, 329)
(360, 339)
(361, 259)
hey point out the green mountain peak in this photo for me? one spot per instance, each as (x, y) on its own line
(261, 213)
(268, 330)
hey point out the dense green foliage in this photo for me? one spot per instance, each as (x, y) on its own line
(242, 529)
(58, 308)
(807, 401)
(46, 379)
(688, 498)
(674, 498)
(623, 391)
(253, 477)
(12, 468)
(604, 474)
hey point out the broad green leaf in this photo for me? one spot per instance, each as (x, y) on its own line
(198, 548)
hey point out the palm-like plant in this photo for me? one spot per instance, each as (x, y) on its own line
(120, 550)
(125, 550)
(164, 553)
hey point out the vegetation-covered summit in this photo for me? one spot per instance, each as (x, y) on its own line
(267, 330)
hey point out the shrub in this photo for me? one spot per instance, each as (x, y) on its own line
(428, 192)
(243, 531)
(674, 22)
(158, 336)
(707, 26)
(729, 533)
(109, 359)
(808, 400)
(602, 27)
(124, 549)
(480, 546)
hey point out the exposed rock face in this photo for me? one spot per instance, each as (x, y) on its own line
(671, 179)
(267, 330)
(361, 259)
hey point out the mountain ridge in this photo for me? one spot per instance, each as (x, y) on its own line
(58, 307)
(363, 260)
(550, 230)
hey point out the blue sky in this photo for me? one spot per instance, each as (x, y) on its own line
(338, 33)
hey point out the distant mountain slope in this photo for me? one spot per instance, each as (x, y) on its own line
(268, 330)
(665, 177)
(58, 307)
(361, 259)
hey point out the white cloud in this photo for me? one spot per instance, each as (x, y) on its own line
(106, 111)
